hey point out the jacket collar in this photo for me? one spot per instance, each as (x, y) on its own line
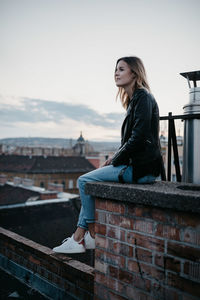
(136, 93)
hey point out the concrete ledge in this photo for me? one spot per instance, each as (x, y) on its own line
(177, 196)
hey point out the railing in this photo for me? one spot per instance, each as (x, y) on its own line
(172, 142)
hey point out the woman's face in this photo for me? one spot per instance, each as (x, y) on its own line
(123, 75)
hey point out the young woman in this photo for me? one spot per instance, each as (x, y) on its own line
(137, 160)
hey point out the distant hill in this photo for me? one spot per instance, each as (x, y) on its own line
(57, 142)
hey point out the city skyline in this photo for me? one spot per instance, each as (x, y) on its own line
(58, 58)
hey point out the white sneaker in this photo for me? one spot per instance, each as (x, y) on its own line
(69, 245)
(89, 241)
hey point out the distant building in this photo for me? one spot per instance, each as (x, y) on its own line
(84, 148)
(44, 171)
(81, 148)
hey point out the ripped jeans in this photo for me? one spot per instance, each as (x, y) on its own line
(107, 173)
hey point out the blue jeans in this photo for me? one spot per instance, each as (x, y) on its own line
(107, 173)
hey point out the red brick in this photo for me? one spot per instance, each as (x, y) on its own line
(100, 278)
(120, 221)
(114, 220)
(126, 250)
(115, 260)
(101, 292)
(141, 283)
(113, 246)
(186, 285)
(99, 254)
(101, 217)
(143, 255)
(169, 232)
(161, 292)
(143, 226)
(126, 223)
(101, 242)
(34, 260)
(160, 215)
(191, 236)
(100, 229)
(134, 294)
(133, 266)
(101, 266)
(148, 213)
(186, 219)
(120, 248)
(125, 276)
(145, 241)
(147, 270)
(135, 211)
(168, 263)
(115, 285)
(110, 258)
(100, 204)
(192, 269)
(115, 207)
(113, 296)
(113, 272)
(109, 282)
(115, 233)
(183, 251)
(152, 272)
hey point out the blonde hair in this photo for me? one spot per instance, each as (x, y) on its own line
(137, 67)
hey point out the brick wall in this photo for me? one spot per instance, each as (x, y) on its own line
(55, 275)
(146, 253)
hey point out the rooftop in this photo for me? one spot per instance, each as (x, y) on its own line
(41, 164)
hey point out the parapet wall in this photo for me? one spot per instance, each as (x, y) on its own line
(54, 275)
(147, 248)
(147, 241)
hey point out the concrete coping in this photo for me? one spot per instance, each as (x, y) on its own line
(162, 194)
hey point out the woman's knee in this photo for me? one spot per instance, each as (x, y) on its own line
(82, 179)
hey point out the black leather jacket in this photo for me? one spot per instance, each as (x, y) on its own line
(140, 146)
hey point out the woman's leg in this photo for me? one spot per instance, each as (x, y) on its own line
(87, 213)
(76, 244)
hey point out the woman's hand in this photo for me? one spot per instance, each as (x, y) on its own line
(106, 163)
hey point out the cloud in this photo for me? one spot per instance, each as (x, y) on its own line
(38, 110)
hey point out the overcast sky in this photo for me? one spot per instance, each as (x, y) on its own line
(57, 60)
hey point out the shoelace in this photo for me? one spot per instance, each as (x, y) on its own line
(65, 240)
(70, 238)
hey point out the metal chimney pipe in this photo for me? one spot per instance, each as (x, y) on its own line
(191, 147)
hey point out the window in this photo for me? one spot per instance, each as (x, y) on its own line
(63, 183)
(41, 184)
(70, 184)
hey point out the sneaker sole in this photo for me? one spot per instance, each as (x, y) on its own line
(89, 248)
(69, 252)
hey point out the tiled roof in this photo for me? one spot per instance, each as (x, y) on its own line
(13, 194)
(41, 164)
